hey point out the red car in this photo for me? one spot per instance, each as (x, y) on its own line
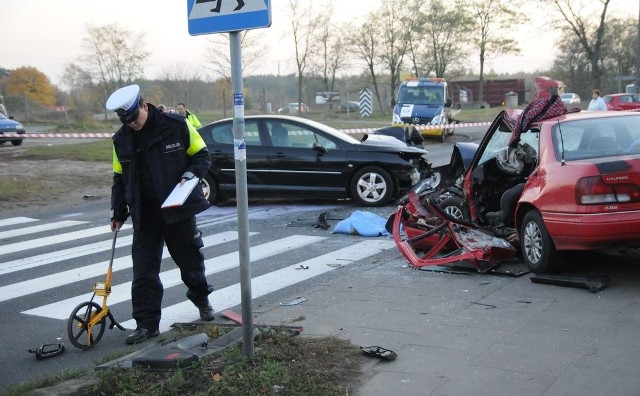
(622, 101)
(580, 183)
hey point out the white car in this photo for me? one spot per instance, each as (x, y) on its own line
(570, 98)
(292, 108)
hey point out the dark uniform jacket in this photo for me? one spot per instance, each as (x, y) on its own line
(174, 149)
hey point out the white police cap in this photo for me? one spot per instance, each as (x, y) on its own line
(124, 100)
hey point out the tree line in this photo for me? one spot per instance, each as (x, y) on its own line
(423, 38)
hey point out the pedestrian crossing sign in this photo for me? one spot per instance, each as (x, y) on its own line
(220, 16)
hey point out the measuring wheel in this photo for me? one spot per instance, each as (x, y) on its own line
(82, 329)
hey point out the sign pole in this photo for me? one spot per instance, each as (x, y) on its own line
(242, 205)
(205, 17)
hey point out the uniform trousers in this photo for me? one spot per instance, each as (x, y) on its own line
(183, 241)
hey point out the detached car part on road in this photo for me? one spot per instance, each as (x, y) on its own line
(580, 192)
(9, 126)
(295, 157)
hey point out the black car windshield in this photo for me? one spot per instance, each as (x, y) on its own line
(596, 137)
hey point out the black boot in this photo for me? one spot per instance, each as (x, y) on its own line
(207, 313)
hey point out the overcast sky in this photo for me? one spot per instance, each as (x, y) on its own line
(47, 34)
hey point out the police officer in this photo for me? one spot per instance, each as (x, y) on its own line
(152, 152)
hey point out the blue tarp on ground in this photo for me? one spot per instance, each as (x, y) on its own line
(362, 223)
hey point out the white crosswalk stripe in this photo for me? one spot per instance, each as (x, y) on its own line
(15, 220)
(60, 268)
(52, 240)
(65, 254)
(39, 228)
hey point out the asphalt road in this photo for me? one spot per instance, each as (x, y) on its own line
(50, 259)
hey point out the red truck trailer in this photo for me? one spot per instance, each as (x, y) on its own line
(494, 91)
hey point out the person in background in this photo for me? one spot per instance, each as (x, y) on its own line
(597, 103)
(3, 110)
(152, 153)
(181, 109)
(162, 108)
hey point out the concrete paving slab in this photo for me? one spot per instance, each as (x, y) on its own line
(386, 383)
(486, 381)
(579, 380)
(479, 334)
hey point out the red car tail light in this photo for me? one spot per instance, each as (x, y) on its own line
(592, 191)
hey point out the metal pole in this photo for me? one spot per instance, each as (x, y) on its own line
(240, 154)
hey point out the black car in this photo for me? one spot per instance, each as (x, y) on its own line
(9, 126)
(291, 156)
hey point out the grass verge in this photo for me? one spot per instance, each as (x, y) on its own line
(98, 150)
(282, 363)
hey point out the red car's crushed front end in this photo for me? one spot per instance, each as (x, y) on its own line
(426, 236)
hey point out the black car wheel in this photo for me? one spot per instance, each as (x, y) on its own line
(538, 249)
(210, 189)
(16, 142)
(371, 186)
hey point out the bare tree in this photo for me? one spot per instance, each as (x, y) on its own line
(590, 36)
(572, 66)
(220, 53)
(446, 28)
(418, 50)
(111, 57)
(331, 49)
(618, 59)
(77, 83)
(302, 27)
(619, 51)
(394, 17)
(175, 82)
(492, 19)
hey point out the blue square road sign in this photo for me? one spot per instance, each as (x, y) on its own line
(220, 16)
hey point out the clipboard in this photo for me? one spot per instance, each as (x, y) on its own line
(180, 193)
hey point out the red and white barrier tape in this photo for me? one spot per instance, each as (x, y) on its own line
(61, 135)
(102, 135)
(419, 127)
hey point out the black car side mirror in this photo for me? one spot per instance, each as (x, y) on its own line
(319, 148)
(448, 103)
